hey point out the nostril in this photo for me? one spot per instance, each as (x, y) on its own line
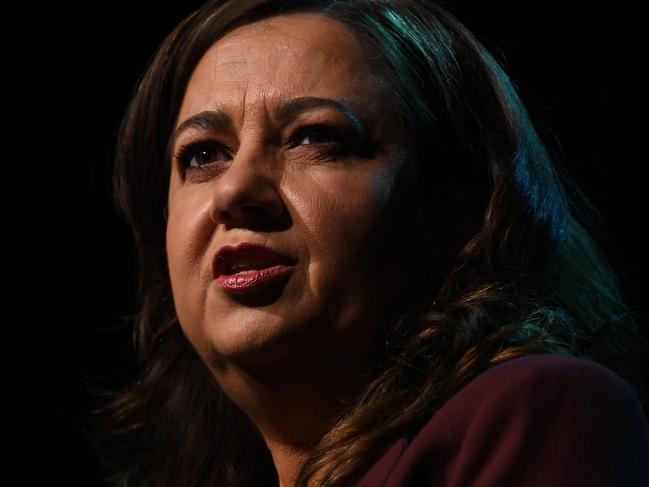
(248, 215)
(246, 195)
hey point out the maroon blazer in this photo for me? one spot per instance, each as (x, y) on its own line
(540, 420)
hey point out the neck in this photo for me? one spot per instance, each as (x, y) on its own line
(292, 404)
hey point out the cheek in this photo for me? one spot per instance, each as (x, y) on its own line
(341, 211)
(181, 255)
(189, 232)
(186, 243)
(343, 215)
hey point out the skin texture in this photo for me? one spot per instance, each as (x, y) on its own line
(291, 357)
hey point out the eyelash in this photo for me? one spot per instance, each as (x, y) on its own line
(186, 152)
(336, 143)
(331, 132)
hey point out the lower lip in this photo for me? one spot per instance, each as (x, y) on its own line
(252, 280)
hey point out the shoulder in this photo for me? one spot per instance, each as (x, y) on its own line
(542, 381)
(535, 420)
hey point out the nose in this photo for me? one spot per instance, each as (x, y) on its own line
(246, 194)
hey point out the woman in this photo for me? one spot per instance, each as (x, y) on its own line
(358, 265)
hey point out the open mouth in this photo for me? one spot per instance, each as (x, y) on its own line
(246, 258)
(248, 264)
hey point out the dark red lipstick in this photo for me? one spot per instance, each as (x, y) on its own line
(249, 266)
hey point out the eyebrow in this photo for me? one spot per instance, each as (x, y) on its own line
(216, 120)
(291, 109)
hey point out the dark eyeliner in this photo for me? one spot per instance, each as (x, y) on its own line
(353, 139)
(186, 151)
(334, 136)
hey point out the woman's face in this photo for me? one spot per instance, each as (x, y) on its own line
(330, 198)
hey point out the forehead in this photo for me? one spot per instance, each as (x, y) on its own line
(280, 58)
(308, 34)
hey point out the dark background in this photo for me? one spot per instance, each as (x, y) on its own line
(579, 69)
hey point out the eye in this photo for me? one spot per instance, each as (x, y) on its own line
(317, 134)
(195, 155)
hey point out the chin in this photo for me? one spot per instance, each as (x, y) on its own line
(255, 337)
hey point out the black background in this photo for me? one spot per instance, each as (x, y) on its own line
(580, 72)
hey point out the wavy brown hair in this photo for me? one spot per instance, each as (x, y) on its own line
(520, 273)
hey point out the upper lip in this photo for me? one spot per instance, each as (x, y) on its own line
(228, 254)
